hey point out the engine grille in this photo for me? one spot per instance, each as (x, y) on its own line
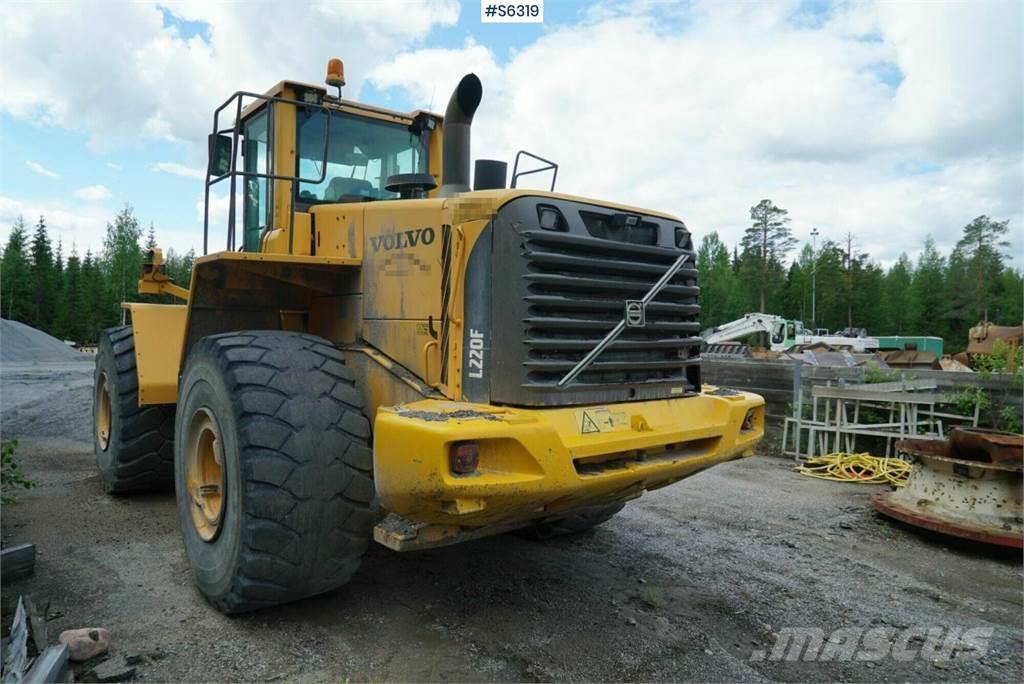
(557, 293)
(578, 287)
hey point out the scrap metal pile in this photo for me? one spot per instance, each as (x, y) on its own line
(967, 486)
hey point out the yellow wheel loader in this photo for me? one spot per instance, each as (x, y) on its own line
(381, 353)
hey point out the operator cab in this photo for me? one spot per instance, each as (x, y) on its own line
(296, 147)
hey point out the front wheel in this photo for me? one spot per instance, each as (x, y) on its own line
(273, 468)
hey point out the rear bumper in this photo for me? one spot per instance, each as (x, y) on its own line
(536, 462)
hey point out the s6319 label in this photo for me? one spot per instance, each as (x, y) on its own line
(512, 12)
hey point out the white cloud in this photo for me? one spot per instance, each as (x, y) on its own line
(81, 224)
(701, 109)
(84, 224)
(92, 193)
(705, 111)
(135, 76)
(40, 169)
(177, 169)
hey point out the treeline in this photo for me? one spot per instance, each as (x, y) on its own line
(936, 294)
(74, 297)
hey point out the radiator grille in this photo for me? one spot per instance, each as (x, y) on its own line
(576, 292)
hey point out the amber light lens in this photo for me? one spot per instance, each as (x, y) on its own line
(335, 72)
(464, 458)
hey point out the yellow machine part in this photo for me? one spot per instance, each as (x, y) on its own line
(538, 461)
(159, 331)
(385, 282)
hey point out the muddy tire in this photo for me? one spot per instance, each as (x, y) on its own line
(578, 521)
(134, 446)
(273, 468)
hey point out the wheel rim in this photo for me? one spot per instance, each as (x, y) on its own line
(102, 418)
(204, 474)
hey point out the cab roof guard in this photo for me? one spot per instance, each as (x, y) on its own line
(219, 139)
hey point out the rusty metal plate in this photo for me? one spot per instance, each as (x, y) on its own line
(988, 535)
(990, 446)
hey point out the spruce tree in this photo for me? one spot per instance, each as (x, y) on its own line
(928, 295)
(42, 270)
(16, 292)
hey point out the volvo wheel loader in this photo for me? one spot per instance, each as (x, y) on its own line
(381, 353)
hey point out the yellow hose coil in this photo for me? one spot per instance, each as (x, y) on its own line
(863, 468)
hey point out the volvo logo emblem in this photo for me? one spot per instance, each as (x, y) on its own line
(636, 313)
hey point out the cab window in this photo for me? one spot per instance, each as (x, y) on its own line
(361, 154)
(256, 209)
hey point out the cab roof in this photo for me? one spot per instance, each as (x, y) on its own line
(279, 89)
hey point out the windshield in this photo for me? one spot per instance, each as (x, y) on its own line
(361, 155)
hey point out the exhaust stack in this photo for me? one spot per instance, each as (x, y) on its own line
(458, 120)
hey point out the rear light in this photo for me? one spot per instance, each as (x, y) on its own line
(464, 458)
(749, 421)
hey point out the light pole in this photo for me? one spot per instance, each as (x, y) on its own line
(814, 279)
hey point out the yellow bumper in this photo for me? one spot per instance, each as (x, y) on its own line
(541, 461)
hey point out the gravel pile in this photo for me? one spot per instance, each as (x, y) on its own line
(20, 343)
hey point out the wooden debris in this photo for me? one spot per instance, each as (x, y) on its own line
(16, 659)
(37, 623)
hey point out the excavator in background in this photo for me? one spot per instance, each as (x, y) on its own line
(383, 353)
(783, 335)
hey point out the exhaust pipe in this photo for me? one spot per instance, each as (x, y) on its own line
(458, 119)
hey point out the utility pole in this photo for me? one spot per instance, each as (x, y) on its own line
(849, 282)
(814, 279)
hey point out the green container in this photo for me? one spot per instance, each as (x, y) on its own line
(912, 342)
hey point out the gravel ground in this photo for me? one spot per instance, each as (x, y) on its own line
(685, 584)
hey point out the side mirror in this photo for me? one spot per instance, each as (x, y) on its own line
(220, 155)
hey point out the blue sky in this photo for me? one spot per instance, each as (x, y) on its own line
(871, 118)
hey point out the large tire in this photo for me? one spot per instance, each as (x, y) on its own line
(297, 506)
(577, 521)
(134, 445)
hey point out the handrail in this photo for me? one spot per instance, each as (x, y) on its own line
(540, 169)
(235, 130)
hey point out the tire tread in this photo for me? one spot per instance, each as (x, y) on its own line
(142, 445)
(297, 538)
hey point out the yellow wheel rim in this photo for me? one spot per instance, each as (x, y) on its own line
(102, 402)
(204, 474)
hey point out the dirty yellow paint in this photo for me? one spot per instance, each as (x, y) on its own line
(535, 460)
(368, 276)
(159, 331)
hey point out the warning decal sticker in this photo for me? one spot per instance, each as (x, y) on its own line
(594, 420)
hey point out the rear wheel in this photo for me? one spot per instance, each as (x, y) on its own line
(133, 444)
(577, 521)
(273, 468)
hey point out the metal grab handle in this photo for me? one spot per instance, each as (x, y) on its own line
(458, 274)
(426, 362)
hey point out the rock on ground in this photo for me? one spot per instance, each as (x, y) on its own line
(85, 643)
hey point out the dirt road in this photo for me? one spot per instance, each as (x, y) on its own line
(685, 584)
